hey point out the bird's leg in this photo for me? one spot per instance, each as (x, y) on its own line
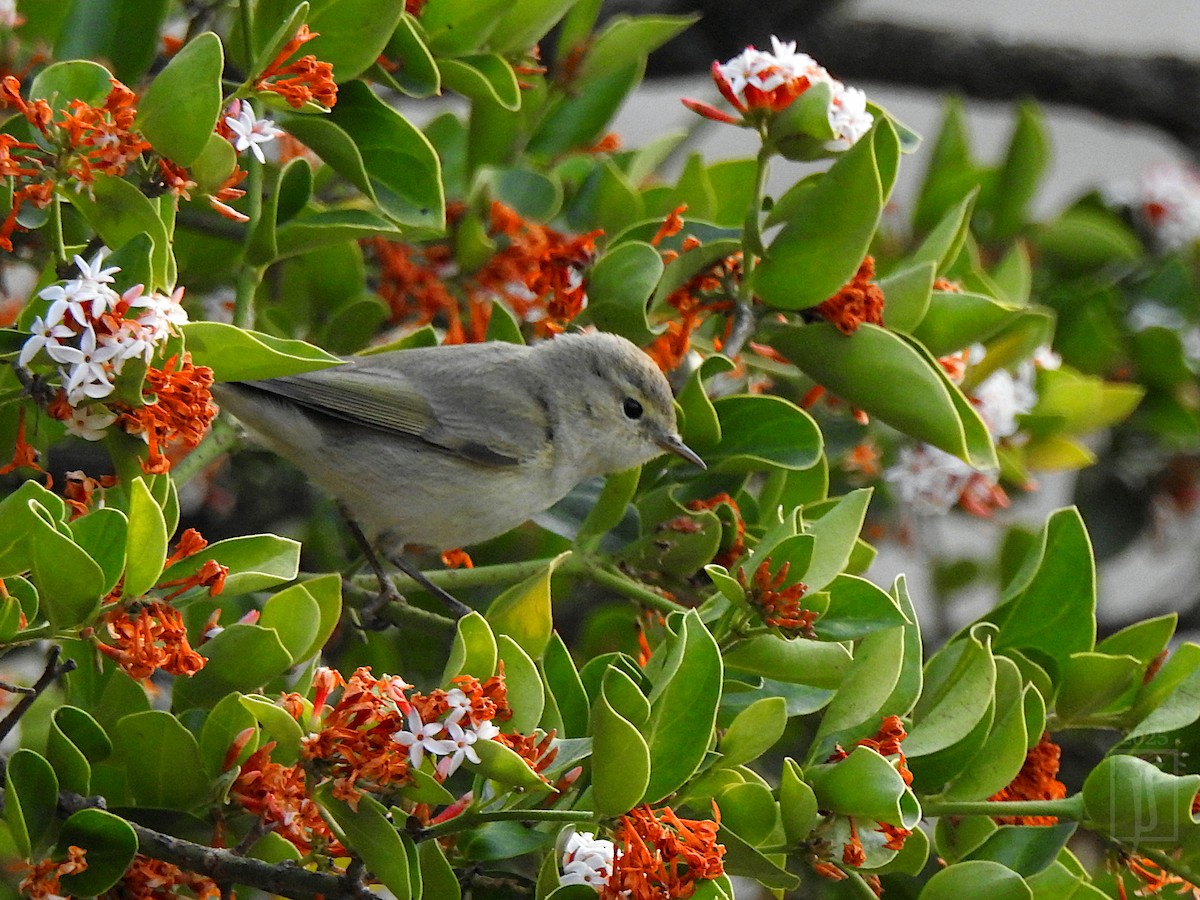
(387, 589)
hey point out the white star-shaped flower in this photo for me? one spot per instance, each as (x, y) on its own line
(250, 133)
(422, 737)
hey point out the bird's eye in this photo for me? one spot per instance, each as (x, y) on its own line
(632, 408)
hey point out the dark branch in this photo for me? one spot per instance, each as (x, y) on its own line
(53, 671)
(1160, 91)
(226, 867)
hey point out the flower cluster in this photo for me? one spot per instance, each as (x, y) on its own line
(153, 879)
(778, 605)
(1165, 202)
(1037, 780)
(655, 855)
(91, 333)
(857, 302)
(278, 795)
(303, 81)
(758, 83)
(72, 145)
(539, 273)
(41, 881)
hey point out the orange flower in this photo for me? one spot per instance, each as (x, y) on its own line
(671, 225)
(41, 881)
(863, 459)
(1153, 878)
(303, 81)
(705, 292)
(25, 455)
(778, 605)
(181, 411)
(80, 490)
(457, 558)
(1037, 780)
(856, 303)
(539, 755)
(153, 879)
(155, 639)
(660, 856)
(277, 795)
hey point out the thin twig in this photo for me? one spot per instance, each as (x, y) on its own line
(53, 671)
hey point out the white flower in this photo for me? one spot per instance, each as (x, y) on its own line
(163, 315)
(459, 703)
(848, 116)
(1168, 202)
(485, 730)
(90, 422)
(9, 17)
(1045, 358)
(793, 64)
(928, 479)
(421, 737)
(86, 369)
(91, 271)
(251, 133)
(587, 860)
(43, 334)
(130, 341)
(462, 739)
(745, 69)
(1002, 396)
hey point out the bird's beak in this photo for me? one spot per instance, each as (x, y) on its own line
(673, 443)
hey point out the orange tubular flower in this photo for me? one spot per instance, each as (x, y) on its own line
(735, 550)
(778, 605)
(856, 303)
(276, 794)
(303, 81)
(704, 293)
(153, 879)
(661, 856)
(41, 881)
(80, 491)
(1037, 780)
(25, 455)
(154, 639)
(181, 412)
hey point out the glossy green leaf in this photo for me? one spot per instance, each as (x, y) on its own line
(797, 803)
(957, 320)
(224, 722)
(351, 34)
(860, 702)
(102, 535)
(683, 709)
(619, 287)
(1088, 682)
(279, 725)
(401, 165)
(1083, 239)
(110, 844)
(976, 878)
(437, 876)
(581, 122)
(146, 546)
(825, 241)
(255, 562)
(295, 618)
(893, 380)
(1003, 753)
(30, 800)
(473, 651)
(835, 533)
(235, 354)
(867, 785)
(241, 658)
(524, 683)
(118, 211)
(749, 810)
(620, 761)
(458, 27)
(522, 612)
(944, 242)
(960, 683)
(857, 608)
(1020, 174)
(906, 296)
(417, 75)
(501, 764)
(179, 110)
(753, 731)
(68, 580)
(796, 661)
(763, 430)
(1134, 801)
(626, 40)
(74, 742)
(371, 836)
(482, 76)
(741, 858)
(525, 22)
(563, 683)
(71, 79)
(162, 760)
(1024, 849)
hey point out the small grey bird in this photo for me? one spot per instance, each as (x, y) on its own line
(449, 446)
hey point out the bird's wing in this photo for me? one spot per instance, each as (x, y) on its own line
(387, 399)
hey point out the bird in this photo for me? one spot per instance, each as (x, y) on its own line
(449, 446)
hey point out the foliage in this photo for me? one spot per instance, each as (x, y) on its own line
(686, 676)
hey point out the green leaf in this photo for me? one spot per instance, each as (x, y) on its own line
(1088, 682)
(241, 658)
(371, 836)
(179, 110)
(295, 618)
(942, 245)
(118, 212)
(111, 845)
(72, 79)
(835, 533)
(351, 34)
(1017, 181)
(620, 761)
(581, 121)
(960, 682)
(525, 22)
(1026, 850)
(796, 661)
(68, 580)
(753, 731)
(906, 296)
(619, 286)
(501, 764)
(857, 608)
(976, 878)
(417, 76)
(524, 683)
(255, 562)
(458, 27)
(610, 507)
(123, 31)
(797, 803)
(762, 430)
(1084, 239)
(1003, 753)
(867, 785)
(824, 243)
(861, 702)
(437, 876)
(1136, 801)
(146, 544)
(522, 612)
(224, 722)
(75, 741)
(30, 800)
(279, 725)
(683, 708)
(473, 651)
(482, 76)
(102, 535)
(564, 685)
(957, 320)
(892, 379)
(235, 354)
(743, 859)
(627, 40)
(162, 760)
(749, 811)
(401, 165)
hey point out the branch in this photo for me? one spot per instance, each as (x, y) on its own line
(53, 671)
(285, 879)
(1161, 91)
